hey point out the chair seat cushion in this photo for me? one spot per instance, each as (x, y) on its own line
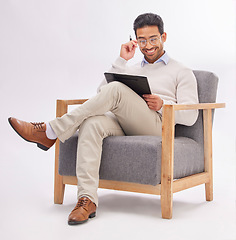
(136, 158)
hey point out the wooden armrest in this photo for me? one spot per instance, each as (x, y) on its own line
(71, 101)
(168, 117)
(62, 105)
(196, 106)
(76, 101)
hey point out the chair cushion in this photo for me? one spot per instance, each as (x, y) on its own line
(136, 158)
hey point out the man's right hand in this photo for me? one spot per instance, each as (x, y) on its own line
(127, 50)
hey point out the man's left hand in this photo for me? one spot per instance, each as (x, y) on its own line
(154, 102)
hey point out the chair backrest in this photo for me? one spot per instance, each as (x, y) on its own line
(207, 83)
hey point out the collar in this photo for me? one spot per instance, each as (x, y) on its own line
(164, 58)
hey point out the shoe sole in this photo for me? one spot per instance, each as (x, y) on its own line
(38, 144)
(92, 215)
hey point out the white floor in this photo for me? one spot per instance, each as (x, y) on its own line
(27, 210)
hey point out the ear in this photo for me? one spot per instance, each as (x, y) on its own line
(164, 37)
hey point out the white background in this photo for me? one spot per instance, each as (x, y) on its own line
(55, 49)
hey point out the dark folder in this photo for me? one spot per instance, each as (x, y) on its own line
(139, 84)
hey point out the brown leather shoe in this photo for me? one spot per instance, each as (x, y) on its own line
(32, 132)
(83, 210)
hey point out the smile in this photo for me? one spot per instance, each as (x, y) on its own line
(151, 51)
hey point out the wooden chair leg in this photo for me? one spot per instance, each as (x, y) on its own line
(59, 187)
(167, 162)
(209, 191)
(59, 190)
(207, 118)
(166, 204)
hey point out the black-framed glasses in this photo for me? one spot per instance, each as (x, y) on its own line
(153, 41)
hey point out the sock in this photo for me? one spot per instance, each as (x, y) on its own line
(49, 132)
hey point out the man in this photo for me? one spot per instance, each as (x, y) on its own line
(170, 83)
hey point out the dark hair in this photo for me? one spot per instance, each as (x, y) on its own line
(149, 19)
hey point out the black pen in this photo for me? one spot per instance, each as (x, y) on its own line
(130, 38)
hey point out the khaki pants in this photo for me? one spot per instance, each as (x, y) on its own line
(132, 117)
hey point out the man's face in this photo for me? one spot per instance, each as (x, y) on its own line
(151, 34)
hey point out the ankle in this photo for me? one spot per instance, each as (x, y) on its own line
(49, 132)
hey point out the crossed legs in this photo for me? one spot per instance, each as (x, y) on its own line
(132, 117)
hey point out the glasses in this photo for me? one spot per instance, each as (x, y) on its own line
(153, 41)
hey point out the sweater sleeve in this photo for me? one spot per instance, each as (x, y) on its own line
(186, 93)
(119, 66)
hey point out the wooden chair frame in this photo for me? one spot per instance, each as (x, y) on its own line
(168, 186)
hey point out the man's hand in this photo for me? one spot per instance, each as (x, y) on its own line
(154, 102)
(127, 50)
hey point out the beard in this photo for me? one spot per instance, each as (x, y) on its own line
(152, 54)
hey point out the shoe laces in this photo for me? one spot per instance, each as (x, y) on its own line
(82, 203)
(37, 125)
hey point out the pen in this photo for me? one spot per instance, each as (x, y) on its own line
(130, 38)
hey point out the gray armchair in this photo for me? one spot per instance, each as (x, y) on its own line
(180, 159)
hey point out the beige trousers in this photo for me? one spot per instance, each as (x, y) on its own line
(132, 117)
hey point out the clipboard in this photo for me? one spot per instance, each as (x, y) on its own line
(138, 84)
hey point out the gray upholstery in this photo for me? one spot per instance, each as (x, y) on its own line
(138, 158)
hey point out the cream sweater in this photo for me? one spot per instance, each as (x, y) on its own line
(173, 82)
